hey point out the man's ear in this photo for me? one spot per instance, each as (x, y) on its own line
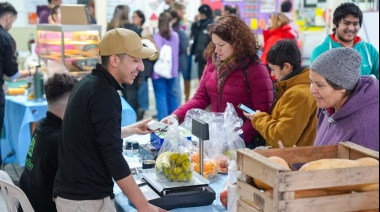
(8, 18)
(114, 60)
(335, 26)
(288, 67)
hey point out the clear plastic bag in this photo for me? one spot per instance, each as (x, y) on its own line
(224, 129)
(173, 162)
(210, 167)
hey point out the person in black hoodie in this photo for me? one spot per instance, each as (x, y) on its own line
(90, 150)
(8, 57)
(41, 162)
(201, 38)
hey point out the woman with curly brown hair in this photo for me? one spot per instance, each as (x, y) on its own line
(234, 74)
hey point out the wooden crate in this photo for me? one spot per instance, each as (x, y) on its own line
(285, 182)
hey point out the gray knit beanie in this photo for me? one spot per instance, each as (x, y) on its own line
(340, 66)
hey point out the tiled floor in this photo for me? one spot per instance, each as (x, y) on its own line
(14, 170)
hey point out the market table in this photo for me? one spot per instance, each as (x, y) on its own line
(216, 183)
(20, 112)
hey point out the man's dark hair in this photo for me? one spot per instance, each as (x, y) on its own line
(106, 59)
(6, 7)
(285, 51)
(286, 6)
(344, 10)
(58, 85)
(49, 1)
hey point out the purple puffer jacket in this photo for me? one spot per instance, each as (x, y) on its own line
(357, 121)
(259, 96)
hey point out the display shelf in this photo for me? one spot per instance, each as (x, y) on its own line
(58, 42)
(69, 28)
(67, 58)
(76, 46)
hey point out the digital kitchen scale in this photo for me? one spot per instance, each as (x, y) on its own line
(170, 195)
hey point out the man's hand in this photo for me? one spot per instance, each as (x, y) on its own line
(29, 72)
(152, 208)
(140, 127)
(133, 192)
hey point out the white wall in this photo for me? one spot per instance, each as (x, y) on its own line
(370, 28)
(23, 7)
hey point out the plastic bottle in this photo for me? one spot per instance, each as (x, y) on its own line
(38, 82)
(233, 196)
(232, 172)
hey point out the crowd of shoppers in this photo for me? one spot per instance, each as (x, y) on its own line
(75, 155)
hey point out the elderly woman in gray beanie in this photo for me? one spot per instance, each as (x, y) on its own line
(348, 103)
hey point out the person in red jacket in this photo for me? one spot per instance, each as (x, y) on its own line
(278, 28)
(234, 74)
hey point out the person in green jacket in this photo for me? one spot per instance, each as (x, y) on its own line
(292, 118)
(347, 21)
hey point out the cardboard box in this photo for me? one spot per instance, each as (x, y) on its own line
(74, 14)
(286, 182)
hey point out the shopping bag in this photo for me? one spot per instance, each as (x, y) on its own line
(163, 65)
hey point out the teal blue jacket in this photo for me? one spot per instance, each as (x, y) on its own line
(370, 55)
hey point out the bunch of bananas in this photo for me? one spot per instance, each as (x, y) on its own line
(175, 166)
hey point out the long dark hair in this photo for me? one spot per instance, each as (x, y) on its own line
(120, 17)
(141, 15)
(175, 15)
(164, 25)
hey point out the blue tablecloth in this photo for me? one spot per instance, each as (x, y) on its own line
(20, 112)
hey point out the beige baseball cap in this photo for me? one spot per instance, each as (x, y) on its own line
(124, 41)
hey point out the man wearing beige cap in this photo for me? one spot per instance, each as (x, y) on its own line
(90, 147)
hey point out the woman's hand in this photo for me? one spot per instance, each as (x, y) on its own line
(166, 120)
(250, 116)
